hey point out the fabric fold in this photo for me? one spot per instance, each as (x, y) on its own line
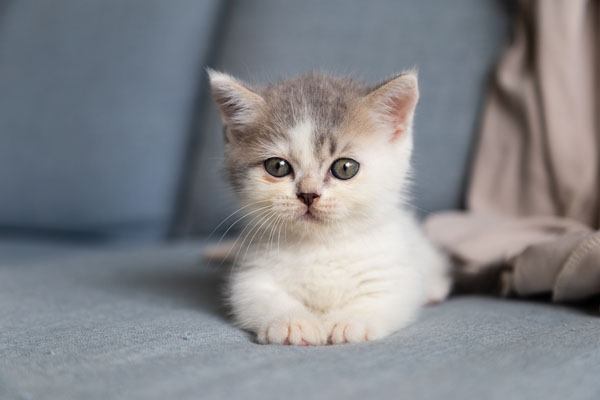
(533, 202)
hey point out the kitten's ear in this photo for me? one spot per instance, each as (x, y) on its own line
(239, 105)
(394, 102)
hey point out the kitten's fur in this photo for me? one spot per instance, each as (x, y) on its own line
(358, 268)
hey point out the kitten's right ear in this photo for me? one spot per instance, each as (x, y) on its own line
(238, 104)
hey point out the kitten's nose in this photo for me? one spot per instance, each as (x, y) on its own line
(307, 198)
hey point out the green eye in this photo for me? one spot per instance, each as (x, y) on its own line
(278, 167)
(344, 168)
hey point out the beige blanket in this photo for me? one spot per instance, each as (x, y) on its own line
(534, 196)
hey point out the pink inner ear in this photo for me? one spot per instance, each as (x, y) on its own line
(400, 112)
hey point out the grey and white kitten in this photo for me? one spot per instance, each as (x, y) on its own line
(330, 254)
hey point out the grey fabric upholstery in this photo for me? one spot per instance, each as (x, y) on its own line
(19, 250)
(96, 104)
(96, 100)
(146, 323)
(453, 45)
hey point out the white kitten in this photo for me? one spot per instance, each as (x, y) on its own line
(320, 165)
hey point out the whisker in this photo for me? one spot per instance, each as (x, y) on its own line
(234, 213)
(267, 219)
(239, 219)
(235, 244)
(256, 229)
(283, 222)
(272, 231)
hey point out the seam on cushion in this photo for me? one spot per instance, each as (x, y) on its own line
(183, 206)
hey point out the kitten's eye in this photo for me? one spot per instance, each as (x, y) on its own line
(278, 167)
(344, 168)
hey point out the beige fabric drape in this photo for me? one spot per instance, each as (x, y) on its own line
(534, 196)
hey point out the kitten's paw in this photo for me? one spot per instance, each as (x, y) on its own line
(354, 331)
(438, 290)
(300, 331)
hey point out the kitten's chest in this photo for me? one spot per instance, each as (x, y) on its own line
(324, 280)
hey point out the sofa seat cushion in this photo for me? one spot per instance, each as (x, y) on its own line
(18, 250)
(147, 323)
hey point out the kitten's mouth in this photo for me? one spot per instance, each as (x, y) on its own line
(309, 216)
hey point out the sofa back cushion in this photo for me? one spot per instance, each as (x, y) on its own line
(452, 43)
(96, 103)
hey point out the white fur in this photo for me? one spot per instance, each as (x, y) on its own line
(360, 272)
(354, 287)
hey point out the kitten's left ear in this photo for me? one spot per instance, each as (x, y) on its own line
(394, 102)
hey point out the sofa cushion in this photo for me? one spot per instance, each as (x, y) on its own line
(96, 107)
(26, 249)
(453, 44)
(147, 323)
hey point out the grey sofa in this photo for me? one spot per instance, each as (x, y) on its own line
(110, 186)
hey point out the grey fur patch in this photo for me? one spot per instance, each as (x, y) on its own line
(324, 99)
(332, 146)
(256, 116)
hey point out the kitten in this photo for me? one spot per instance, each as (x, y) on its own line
(330, 253)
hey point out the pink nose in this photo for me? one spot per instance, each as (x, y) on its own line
(307, 198)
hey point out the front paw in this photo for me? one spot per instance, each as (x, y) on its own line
(302, 330)
(354, 330)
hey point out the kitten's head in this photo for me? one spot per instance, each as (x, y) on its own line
(317, 151)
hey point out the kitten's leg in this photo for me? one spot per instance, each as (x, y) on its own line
(369, 320)
(439, 284)
(437, 274)
(433, 263)
(375, 314)
(260, 305)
